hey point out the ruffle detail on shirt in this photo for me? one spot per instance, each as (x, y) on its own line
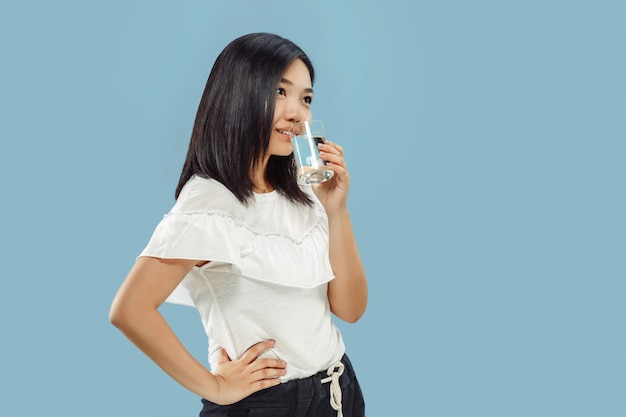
(271, 258)
(200, 236)
(220, 235)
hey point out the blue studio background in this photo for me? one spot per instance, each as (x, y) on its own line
(486, 143)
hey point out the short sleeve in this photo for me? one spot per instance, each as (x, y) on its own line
(207, 223)
(201, 236)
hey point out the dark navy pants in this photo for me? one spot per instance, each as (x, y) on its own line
(307, 397)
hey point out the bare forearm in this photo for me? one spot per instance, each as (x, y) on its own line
(347, 293)
(135, 312)
(149, 331)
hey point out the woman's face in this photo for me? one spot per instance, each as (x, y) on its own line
(294, 95)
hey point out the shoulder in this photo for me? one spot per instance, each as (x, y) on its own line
(206, 195)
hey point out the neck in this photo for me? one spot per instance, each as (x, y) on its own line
(259, 183)
(262, 190)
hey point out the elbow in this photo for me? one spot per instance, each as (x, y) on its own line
(119, 315)
(350, 315)
(349, 309)
(350, 319)
(130, 315)
(116, 316)
(353, 317)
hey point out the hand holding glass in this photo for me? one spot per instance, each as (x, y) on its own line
(305, 136)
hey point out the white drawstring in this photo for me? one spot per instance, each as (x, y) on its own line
(335, 387)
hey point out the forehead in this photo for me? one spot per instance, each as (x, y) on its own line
(297, 74)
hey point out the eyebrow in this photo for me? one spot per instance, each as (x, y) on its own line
(286, 81)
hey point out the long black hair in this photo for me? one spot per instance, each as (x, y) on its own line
(234, 120)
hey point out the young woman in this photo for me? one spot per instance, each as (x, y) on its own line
(263, 259)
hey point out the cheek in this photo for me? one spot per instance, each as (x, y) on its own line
(278, 111)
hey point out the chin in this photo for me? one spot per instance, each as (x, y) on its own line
(282, 150)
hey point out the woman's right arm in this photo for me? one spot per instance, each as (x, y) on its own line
(135, 312)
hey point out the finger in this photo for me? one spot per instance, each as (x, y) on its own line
(255, 350)
(334, 159)
(328, 149)
(263, 384)
(268, 373)
(335, 147)
(332, 153)
(268, 363)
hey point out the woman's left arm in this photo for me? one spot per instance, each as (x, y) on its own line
(347, 293)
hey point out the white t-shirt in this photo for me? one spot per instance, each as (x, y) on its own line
(267, 277)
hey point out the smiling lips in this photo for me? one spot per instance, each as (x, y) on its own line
(283, 132)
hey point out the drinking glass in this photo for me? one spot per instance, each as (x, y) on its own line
(305, 136)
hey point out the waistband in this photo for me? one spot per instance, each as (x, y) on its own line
(326, 385)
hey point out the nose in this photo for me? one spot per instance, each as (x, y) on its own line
(295, 111)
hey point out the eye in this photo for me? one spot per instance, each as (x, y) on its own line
(280, 91)
(308, 99)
